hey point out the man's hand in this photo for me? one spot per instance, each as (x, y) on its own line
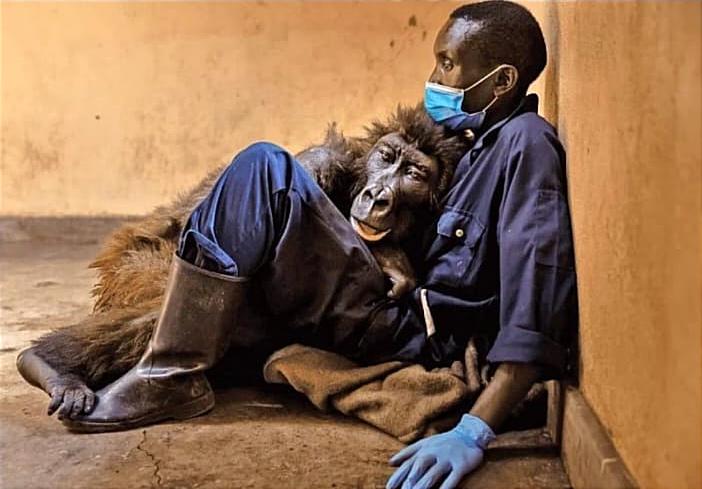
(448, 456)
(456, 453)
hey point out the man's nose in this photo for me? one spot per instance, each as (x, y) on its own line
(434, 76)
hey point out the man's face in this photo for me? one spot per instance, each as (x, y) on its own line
(457, 63)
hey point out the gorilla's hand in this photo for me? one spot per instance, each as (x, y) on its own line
(401, 284)
(70, 396)
(395, 264)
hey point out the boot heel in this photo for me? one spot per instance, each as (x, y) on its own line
(195, 408)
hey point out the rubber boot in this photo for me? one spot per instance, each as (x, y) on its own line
(199, 311)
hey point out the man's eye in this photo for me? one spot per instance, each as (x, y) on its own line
(447, 65)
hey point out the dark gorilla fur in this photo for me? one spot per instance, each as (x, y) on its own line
(134, 262)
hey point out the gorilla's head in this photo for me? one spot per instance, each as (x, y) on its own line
(405, 165)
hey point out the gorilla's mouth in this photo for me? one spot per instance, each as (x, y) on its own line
(367, 232)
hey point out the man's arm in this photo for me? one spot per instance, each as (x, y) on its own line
(507, 388)
(537, 306)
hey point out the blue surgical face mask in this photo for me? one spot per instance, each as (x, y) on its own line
(443, 104)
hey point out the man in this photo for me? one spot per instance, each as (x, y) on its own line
(498, 262)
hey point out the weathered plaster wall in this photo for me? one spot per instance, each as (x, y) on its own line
(112, 107)
(627, 79)
(109, 108)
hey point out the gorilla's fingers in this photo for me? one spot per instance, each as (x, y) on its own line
(89, 402)
(65, 409)
(56, 399)
(399, 288)
(396, 286)
(78, 403)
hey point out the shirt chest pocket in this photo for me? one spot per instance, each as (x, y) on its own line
(458, 236)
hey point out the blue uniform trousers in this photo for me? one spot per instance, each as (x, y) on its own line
(314, 281)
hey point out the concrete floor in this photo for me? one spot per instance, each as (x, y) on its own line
(255, 437)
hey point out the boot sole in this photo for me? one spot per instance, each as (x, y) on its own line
(191, 409)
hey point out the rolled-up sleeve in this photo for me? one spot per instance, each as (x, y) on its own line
(538, 293)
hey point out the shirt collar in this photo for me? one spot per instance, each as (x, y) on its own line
(529, 103)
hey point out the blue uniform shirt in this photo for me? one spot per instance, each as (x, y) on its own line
(499, 262)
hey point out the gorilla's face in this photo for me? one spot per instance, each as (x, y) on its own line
(401, 182)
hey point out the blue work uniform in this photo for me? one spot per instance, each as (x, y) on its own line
(498, 262)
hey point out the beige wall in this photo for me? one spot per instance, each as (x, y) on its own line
(112, 107)
(179, 87)
(628, 90)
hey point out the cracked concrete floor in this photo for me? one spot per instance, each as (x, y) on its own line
(254, 437)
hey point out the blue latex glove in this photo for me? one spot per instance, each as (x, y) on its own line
(449, 456)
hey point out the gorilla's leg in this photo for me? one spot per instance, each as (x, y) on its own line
(138, 277)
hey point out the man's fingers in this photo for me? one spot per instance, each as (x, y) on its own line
(405, 453)
(452, 480)
(419, 467)
(65, 409)
(78, 403)
(89, 402)
(432, 476)
(399, 475)
(56, 399)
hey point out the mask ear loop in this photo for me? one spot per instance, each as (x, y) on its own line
(490, 104)
(485, 77)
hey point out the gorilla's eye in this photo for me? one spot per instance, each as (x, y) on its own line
(416, 174)
(386, 154)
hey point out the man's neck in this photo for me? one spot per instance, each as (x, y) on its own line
(501, 111)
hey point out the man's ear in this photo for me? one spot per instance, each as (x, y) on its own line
(507, 79)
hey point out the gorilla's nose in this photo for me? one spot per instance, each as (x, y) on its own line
(379, 199)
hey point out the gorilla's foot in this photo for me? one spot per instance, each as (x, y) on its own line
(34, 369)
(135, 400)
(69, 393)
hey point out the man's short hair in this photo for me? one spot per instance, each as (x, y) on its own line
(509, 34)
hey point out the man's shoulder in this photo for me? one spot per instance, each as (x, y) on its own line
(535, 148)
(530, 128)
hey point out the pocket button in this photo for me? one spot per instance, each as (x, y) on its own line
(459, 233)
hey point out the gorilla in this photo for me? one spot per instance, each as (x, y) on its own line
(388, 182)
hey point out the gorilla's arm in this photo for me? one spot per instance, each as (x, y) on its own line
(338, 175)
(397, 267)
